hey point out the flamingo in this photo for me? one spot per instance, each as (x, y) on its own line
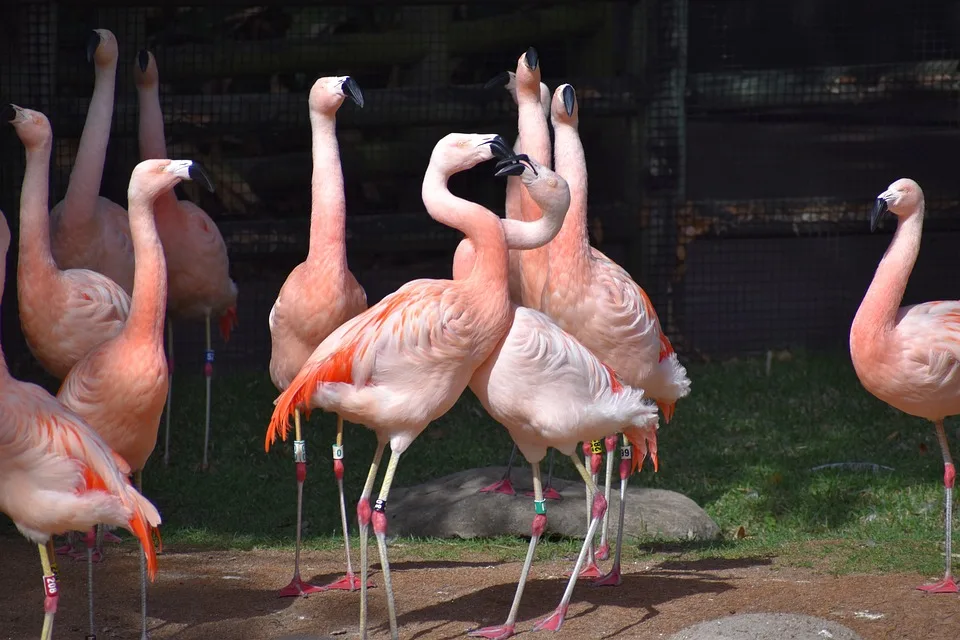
(89, 231)
(57, 474)
(548, 390)
(909, 357)
(404, 361)
(120, 387)
(64, 313)
(597, 302)
(198, 269)
(536, 128)
(318, 296)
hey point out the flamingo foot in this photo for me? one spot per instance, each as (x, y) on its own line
(590, 570)
(502, 486)
(603, 551)
(612, 579)
(109, 537)
(947, 585)
(493, 633)
(349, 582)
(298, 587)
(548, 494)
(554, 621)
(68, 550)
(81, 556)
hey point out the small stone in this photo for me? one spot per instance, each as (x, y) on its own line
(766, 626)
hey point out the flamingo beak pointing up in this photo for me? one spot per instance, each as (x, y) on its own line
(92, 43)
(532, 58)
(569, 99)
(352, 90)
(880, 211)
(143, 59)
(502, 79)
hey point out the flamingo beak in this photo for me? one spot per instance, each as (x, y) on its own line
(143, 60)
(499, 80)
(531, 58)
(880, 211)
(92, 43)
(569, 99)
(352, 90)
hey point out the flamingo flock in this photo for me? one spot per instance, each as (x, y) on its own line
(560, 345)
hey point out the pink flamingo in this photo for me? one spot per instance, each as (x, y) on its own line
(120, 387)
(596, 301)
(57, 474)
(319, 295)
(404, 361)
(64, 313)
(550, 391)
(89, 231)
(198, 269)
(536, 129)
(907, 356)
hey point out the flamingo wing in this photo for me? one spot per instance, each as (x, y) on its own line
(95, 298)
(930, 334)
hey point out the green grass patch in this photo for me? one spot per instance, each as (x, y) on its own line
(742, 445)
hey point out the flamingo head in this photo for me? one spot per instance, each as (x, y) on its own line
(903, 198)
(565, 107)
(32, 127)
(145, 73)
(150, 178)
(102, 47)
(328, 93)
(457, 152)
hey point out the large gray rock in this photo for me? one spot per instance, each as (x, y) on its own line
(767, 626)
(453, 507)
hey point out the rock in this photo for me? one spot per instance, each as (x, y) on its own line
(767, 626)
(453, 507)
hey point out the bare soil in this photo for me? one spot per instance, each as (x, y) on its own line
(232, 596)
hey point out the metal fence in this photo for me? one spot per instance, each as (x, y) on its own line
(734, 146)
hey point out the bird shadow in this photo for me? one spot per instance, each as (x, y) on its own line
(641, 592)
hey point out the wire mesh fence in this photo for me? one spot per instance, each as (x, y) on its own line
(733, 146)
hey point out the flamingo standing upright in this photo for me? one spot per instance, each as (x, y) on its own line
(57, 475)
(318, 296)
(198, 269)
(909, 357)
(596, 301)
(120, 387)
(405, 361)
(87, 230)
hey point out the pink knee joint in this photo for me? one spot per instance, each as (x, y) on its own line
(380, 517)
(51, 594)
(610, 442)
(363, 512)
(586, 449)
(595, 461)
(90, 538)
(539, 525)
(599, 505)
(949, 473)
(301, 471)
(208, 363)
(338, 461)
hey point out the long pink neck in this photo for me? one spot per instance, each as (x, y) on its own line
(878, 311)
(482, 228)
(328, 208)
(84, 186)
(148, 303)
(571, 247)
(153, 143)
(35, 256)
(534, 141)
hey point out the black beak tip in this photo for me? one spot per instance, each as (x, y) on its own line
(197, 174)
(511, 168)
(532, 57)
(92, 43)
(143, 60)
(569, 99)
(499, 80)
(352, 89)
(8, 113)
(880, 211)
(500, 149)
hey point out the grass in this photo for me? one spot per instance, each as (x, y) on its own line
(742, 446)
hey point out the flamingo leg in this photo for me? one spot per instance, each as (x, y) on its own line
(138, 479)
(91, 540)
(166, 433)
(51, 592)
(349, 582)
(613, 578)
(297, 586)
(554, 621)
(208, 374)
(363, 518)
(503, 485)
(536, 530)
(948, 584)
(380, 530)
(603, 551)
(591, 452)
(549, 493)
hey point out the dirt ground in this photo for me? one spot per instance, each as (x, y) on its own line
(232, 596)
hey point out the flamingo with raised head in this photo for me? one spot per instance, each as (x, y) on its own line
(598, 303)
(198, 269)
(909, 357)
(405, 361)
(87, 230)
(319, 295)
(57, 475)
(120, 387)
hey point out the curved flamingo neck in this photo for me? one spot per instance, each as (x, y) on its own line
(878, 311)
(152, 140)
(481, 226)
(87, 173)
(148, 302)
(572, 244)
(328, 208)
(35, 255)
